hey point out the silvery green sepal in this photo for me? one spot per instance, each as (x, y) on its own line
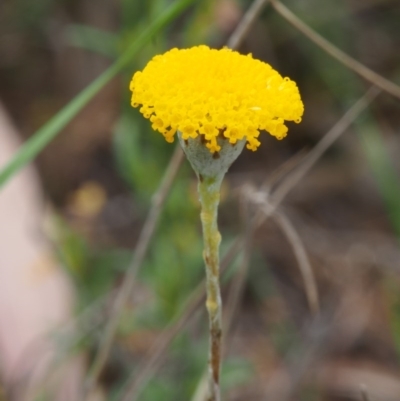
(204, 162)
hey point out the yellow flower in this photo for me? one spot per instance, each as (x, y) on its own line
(208, 92)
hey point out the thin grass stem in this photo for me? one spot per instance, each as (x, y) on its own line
(351, 63)
(140, 251)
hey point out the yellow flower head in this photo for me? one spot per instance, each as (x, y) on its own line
(208, 92)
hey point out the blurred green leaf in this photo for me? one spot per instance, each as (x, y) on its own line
(138, 165)
(93, 39)
(235, 372)
(159, 389)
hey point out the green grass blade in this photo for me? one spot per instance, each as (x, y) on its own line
(42, 137)
(382, 167)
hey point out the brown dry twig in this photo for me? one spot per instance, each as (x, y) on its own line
(260, 199)
(245, 23)
(354, 65)
(325, 142)
(139, 254)
(300, 252)
(239, 280)
(271, 205)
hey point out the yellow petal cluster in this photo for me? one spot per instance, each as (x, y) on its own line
(208, 92)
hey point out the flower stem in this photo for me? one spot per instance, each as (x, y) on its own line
(209, 191)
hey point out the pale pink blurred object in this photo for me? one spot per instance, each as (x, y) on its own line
(36, 297)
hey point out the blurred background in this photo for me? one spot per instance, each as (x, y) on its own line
(69, 227)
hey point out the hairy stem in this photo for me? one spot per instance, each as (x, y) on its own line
(209, 190)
